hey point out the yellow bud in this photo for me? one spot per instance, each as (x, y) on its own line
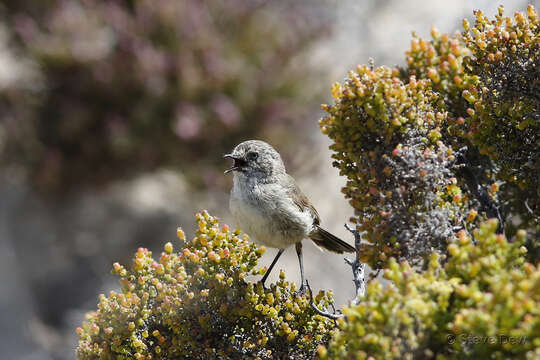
(322, 352)
(168, 248)
(180, 233)
(453, 249)
(472, 215)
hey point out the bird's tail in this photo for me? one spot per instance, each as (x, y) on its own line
(324, 239)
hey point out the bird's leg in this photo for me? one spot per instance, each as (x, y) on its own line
(271, 266)
(302, 289)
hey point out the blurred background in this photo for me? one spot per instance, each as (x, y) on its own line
(114, 116)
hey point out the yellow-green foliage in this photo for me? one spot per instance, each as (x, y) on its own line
(197, 304)
(440, 62)
(387, 141)
(505, 123)
(426, 148)
(483, 303)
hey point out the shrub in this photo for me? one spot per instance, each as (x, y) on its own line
(387, 141)
(426, 148)
(198, 304)
(505, 123)
(484, 302)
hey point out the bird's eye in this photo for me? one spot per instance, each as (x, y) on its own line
(252, 155)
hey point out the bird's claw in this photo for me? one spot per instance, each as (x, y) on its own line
(262, 284)
(301, 291)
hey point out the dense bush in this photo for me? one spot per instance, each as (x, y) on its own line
(505, 123)
(483, 303)
(427, 148)
(388, 142)
(197, 304)
(122, 87)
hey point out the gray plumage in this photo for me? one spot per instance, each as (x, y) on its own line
(268, 204)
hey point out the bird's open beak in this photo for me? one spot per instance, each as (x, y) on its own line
(238, 162)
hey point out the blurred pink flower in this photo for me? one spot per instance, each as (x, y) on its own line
(226, 110)
(188, 122)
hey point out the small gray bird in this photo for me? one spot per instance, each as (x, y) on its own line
(271, 208)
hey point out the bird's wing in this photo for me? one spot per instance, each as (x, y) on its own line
(321, 237)
(301, 200)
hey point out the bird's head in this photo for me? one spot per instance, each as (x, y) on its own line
(255, 158)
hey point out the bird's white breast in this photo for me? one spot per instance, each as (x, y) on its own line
(267, 214)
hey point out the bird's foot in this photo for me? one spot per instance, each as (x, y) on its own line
(301, 291)
(260, 282)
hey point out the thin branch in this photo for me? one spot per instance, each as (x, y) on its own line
(319, 311)
(528, 207)
(358, 268)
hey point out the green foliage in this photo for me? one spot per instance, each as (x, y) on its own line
(387, 141)
(426, 148)
(124, 87)
(440, 61)
(197, 304)
(505, 123)
(484, 302)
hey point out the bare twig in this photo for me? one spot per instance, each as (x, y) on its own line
(358, 268)
(319, 311)
(528, 207)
